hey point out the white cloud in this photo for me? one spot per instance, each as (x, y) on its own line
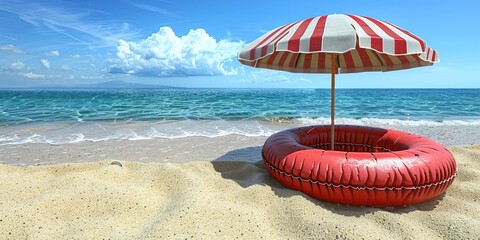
(75, 56)
(151, 8)
(91, 77)
(33, 75)
(45, 64)
(10, 48)
(304, 79)
(17, 66)
(66, 68)
(264, 75)
(54, 53)
(69, 20)
(164, 54)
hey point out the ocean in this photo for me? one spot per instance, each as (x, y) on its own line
(66, 116)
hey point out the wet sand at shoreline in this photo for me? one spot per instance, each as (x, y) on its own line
(188, 149)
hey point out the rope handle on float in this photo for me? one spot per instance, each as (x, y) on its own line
(352, 144)
(360, 188)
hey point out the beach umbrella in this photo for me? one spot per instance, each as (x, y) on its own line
(338, 43)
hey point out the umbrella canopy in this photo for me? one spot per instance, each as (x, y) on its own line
(338, 43)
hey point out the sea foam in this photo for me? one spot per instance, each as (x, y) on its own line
(103, 131)
(388, 122)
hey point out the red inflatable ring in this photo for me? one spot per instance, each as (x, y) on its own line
(369, 167)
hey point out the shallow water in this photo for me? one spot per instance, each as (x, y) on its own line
(62, 116)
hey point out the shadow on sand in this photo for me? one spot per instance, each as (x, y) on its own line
(245, 167)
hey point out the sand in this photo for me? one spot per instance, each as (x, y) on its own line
(204, 192)
(187, 149)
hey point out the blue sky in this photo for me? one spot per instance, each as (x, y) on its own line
(194, 43)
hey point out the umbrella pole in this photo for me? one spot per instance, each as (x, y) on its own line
(332, 108)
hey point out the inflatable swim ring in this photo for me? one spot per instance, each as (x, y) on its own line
(369, 167)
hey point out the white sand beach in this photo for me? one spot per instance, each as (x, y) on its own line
(202, 188)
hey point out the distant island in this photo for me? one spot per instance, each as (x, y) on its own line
(117, 84)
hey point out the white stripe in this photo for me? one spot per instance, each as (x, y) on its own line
(268, 41)
(282, 44)
(388, 41)
(306, 37)
(413, 46)
(429, 54)
(245, 52)
(339, 36)
(364, 40)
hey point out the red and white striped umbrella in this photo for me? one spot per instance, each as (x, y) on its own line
(338, 43)
(362, 44)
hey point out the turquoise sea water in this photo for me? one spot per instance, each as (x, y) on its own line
(60, 116)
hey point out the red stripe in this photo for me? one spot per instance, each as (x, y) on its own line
(322, 63)
(386, 58)
(272, 58)
(252, 51)
(307, 61)
(403, 59)
(428, 53)
(252, 54)
(434, 55)
(263, 51)
(293, 60)
(422, 43)
(400, 43)
(294, 42)
(349, 63)
(317, 36)
(283, 59)
(279, 36)
(376, 41)
(366, 61)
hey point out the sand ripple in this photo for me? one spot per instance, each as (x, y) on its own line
(214, 200)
